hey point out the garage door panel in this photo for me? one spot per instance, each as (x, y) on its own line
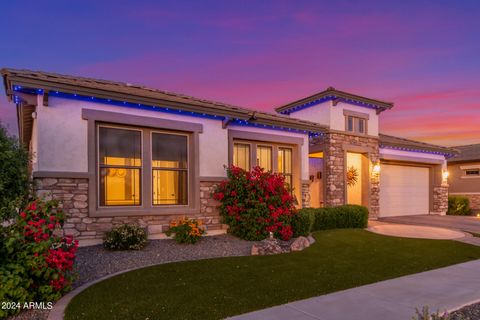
(404, 190)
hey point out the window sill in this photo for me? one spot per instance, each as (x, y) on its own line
(125, 212)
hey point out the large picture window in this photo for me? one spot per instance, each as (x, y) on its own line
(169, 169)
(120, 163)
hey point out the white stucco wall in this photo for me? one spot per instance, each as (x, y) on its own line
(319, 113)
(327, 114)
(337, 118)
(61, 139)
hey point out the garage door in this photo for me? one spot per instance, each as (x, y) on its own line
(404, 190)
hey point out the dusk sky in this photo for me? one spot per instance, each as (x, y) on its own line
(422, 55)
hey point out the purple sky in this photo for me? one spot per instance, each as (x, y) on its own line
(422, 55)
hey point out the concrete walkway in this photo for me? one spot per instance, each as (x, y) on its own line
(444, 289)
(464, 223)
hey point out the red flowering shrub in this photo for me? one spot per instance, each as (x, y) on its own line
(256, 203)
(30, 250)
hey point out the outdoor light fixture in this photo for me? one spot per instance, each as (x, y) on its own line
(445, 175)
(376, 168)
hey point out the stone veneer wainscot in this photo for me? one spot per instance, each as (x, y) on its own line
(72, 194)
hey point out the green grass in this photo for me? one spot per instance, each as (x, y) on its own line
(217, 288)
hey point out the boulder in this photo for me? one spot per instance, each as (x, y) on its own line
(299, 244)
(266, 247)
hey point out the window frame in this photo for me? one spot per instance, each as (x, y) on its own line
(96, 117)
(356, 117)
(187, 169)
(466, 174)
(100, 166)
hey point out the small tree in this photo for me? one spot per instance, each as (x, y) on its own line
(14, 178)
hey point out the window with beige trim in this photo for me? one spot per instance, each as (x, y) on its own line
(264, 157)
(356, 125)
(285, 166)
(120, 166)
(241, 155)
(169, 169)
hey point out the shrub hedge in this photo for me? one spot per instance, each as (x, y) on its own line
(125, 237)
(459, 206)
(314, 219)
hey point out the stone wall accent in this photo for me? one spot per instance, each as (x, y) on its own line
(335, 148)
(305, 195)
(73, 196)
(440, 199)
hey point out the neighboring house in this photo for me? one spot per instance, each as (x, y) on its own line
(464, 178)
(119, 153)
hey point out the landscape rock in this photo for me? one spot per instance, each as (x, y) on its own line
(299, 244)
(268, 246)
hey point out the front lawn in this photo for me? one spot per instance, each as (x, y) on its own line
(218, 288)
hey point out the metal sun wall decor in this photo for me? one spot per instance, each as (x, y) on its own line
(352, 176)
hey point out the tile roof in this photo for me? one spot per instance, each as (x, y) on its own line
(402, 143)
(148, 96)
(336, 95)
(469, 152)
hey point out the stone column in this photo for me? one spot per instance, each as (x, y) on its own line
(440, 199)
(334, 159)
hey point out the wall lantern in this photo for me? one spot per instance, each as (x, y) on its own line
(376, 168)
(445, 175)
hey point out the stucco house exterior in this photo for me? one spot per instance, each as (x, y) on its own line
(464, 179)
(119, 153)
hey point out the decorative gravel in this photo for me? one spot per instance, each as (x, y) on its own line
(471, 312)
(94, 262)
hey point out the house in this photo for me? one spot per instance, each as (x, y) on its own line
(464, 179)
(120, 153)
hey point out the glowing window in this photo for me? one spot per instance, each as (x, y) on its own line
(120, 161)
(264, 157)
(241, 155)
(285, 165)
(170, 169)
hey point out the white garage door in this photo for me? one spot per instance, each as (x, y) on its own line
(404, 190)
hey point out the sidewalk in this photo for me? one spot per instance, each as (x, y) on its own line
(444, 289)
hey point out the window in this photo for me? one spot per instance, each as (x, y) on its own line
(285, 164)
(264, 157)
(120, 162)
(169, 169)
(241, 155)
(356, 125)
(472, 172)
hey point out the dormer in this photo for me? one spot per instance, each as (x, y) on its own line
(339, 110)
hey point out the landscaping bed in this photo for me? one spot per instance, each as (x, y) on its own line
(218, 288)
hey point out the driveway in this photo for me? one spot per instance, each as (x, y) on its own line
(469, 224)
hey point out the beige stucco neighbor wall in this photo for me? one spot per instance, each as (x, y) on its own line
(461, 185)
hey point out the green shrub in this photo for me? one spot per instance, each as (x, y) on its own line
(459, 206)
(125, 237)
(303, 221)
(14, 181)
(186, 231)
(347, 216)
